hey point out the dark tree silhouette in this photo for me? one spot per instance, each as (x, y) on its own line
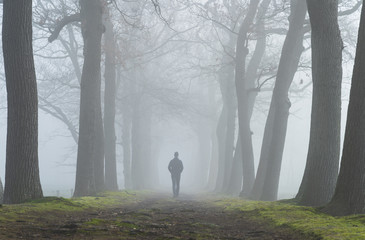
(349, 196)
(22, 172)
(321, 171)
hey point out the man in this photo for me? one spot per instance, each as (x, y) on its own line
(175, 168)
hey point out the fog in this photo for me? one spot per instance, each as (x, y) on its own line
(169, 65)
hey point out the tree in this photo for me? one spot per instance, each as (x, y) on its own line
(349, 192)
(22, 180)
(247, 102)
(90, 154)
(321, 171)
(109, 105)
(268, 173)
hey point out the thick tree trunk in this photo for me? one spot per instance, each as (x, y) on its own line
(90, 155)
(319, 180)
(350, 193)
(267, 179)
(109, 107)
(22, 172)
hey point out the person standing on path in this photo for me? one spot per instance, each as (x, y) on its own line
(176, 167)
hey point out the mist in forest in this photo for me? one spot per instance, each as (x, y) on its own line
(178, 76)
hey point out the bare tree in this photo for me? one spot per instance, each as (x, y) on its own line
(349, 193)
(22, 172)
(268, 173)
(321, 171)
(90, 155)
(109, 104)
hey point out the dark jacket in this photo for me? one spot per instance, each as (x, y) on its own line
(176, 166)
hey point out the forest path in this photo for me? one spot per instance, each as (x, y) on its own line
(158, 216)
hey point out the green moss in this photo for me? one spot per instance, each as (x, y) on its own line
(306, 220)
(96, 222)
(55, 205)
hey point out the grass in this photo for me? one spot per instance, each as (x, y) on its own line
(32, 209)
(309, 222)
(306, 220)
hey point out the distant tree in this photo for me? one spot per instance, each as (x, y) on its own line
(350, 193)
(267, 180)
(321, 171)
(22, 180)
(109, 104)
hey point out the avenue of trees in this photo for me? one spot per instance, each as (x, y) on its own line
(115, 72)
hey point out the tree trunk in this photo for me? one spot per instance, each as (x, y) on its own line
(137, 161)
(126, 142)
(249, 101)
(241, 84)
(350, 193)
(212, 174)
(267, 179)
(147, 172)
(22, 172)
(90, 155)
(225, 127)
(109, 107)
(319, 180)
(236, 177)
(230, 134)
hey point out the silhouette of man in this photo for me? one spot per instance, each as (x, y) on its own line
(175, 168)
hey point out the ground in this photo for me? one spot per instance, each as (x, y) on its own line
(157, 216)
(147, 215)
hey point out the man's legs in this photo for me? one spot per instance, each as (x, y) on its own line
(177, 185)
(173, 177)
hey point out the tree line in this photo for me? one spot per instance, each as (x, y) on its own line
(120, 40)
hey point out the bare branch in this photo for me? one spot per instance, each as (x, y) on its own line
(66, 20)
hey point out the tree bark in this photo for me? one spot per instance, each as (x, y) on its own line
(267, 179)
(90, 155)
(22, 171)
(350, 193)
(319, 180)
(109, 107)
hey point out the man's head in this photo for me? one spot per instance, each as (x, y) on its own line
(176, 154)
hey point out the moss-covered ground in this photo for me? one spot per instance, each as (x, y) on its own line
(311, 222)
(147, 215)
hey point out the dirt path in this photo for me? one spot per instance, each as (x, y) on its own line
(158, 217)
